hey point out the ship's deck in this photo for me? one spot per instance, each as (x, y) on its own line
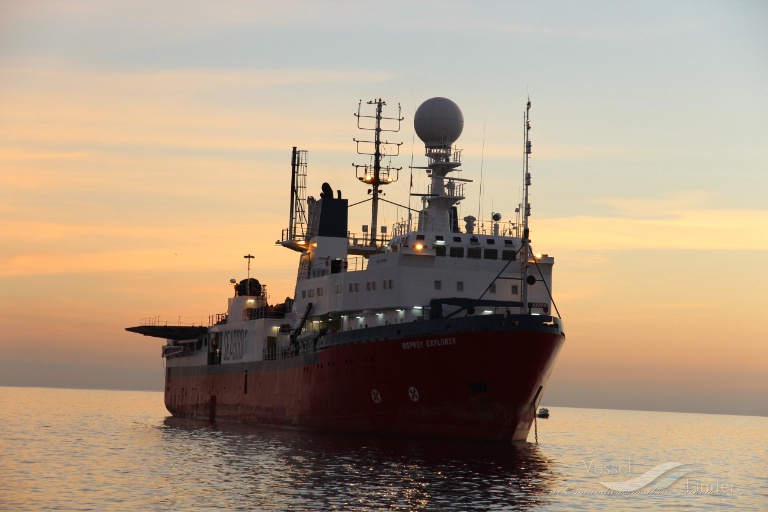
(170, 332)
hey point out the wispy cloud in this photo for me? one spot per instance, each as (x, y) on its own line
(175, 81)
(174, 109)
(687, 229)
(42, 248)
(668, 206)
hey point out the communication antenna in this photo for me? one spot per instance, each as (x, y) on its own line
(249, 257)
(482, 161)
(374, 174)
(410, 189)
(526, 206)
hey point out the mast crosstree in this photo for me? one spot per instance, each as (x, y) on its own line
(374, 174)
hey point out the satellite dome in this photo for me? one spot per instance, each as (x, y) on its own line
(438, 122)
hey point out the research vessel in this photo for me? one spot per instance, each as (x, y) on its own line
(442, 328)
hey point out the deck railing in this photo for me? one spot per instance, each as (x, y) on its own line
(159, 320)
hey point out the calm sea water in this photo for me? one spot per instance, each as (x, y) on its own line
(115, 450)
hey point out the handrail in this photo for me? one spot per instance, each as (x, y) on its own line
(159, 320)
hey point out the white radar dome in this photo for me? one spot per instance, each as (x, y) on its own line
(438, 122)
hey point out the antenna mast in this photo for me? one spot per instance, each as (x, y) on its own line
(294, 236)
(374, 175)
(526, 207)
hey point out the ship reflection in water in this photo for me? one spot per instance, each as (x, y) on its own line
(277, 469)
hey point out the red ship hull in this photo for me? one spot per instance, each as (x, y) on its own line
(472, 385)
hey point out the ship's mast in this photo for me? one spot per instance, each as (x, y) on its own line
(376, 172)
(294, 236)
(526, 207)
(374, 175)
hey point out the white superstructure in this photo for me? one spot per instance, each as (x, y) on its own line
(396, 282)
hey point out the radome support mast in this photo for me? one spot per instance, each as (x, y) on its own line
(374, 174)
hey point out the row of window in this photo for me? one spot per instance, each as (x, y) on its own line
(472, 240)
(389, 285)
(475, 252)
(311, 293)
(460, 287)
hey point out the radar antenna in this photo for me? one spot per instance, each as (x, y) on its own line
(374, 174)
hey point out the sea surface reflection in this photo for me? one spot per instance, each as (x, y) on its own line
(113, 451)
(242, 467)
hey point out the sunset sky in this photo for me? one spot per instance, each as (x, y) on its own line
(145, 148)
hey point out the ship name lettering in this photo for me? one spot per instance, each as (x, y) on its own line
(441, 341)
(232, 344)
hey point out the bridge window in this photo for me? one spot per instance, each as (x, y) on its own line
(491, 254)
(473, 252)
(456, 252)
(508, 255)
